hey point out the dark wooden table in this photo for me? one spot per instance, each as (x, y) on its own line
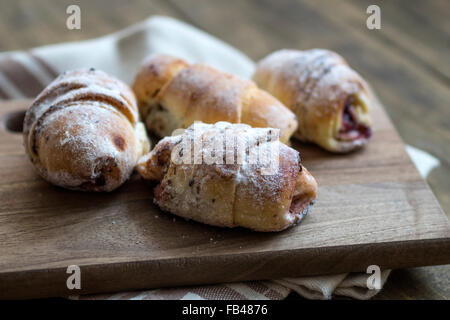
(407, 62)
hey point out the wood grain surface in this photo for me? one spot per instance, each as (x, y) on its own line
(372, 208)
(407, 62)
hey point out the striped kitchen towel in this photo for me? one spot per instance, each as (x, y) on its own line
(26, 73)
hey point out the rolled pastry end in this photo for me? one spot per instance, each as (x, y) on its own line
(236, 194)
(153, 165)
(155, 72)
(352, 126)
(266, 111)
(331, 101)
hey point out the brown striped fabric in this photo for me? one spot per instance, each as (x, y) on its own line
(3, 94)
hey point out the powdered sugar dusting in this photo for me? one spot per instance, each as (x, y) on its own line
(255, 193)
(314, 84)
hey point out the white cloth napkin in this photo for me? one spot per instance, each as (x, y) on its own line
(24, 74)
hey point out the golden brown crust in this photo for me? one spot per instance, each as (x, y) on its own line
(200, 92)
(225, 193)
(82, 132)
(319, 87)
(153, 74)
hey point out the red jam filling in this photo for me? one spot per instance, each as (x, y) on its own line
(350, 128)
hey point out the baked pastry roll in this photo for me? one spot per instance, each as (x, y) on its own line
(83, 131)
(330, 99)
(173, 94)
(254, 180)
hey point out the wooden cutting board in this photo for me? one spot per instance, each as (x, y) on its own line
(373, 208)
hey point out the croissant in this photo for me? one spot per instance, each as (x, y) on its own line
(331, 100)
(236, 187)
(173, 94)
(83, 132)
